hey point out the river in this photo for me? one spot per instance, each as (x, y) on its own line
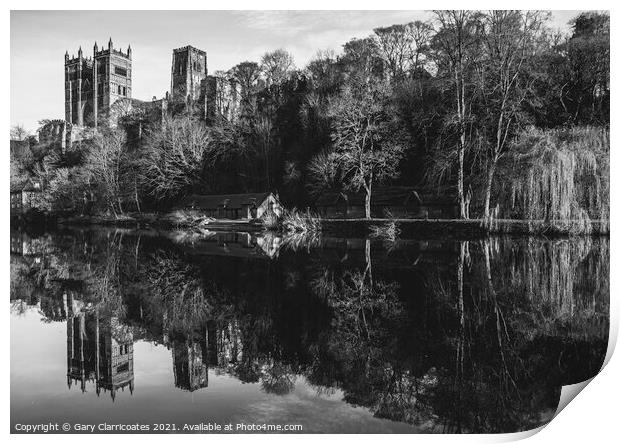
(325, 334)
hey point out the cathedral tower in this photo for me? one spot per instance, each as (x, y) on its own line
(92, 85)
(189, 72)
(112, 79)
(78, 88)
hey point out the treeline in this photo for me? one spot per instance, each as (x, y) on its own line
(460, 104)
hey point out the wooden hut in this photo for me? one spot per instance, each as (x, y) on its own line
(233, 206)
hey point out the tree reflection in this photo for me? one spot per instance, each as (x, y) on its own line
(468, 336)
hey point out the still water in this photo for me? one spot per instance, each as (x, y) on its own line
(333, 334)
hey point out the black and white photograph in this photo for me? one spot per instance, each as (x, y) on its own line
(306, 221)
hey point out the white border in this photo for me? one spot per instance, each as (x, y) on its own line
(590, 418)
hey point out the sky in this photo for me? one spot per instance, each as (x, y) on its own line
(39, 40)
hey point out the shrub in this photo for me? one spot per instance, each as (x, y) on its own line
(294, 221)
(270, 220)
(388, 231)
(189, 218)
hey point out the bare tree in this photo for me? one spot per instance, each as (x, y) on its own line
(455, 42)
(367, 149)
(247, 75)
(105, 162)
(322, 173)
(395, 48)
(419, 33)
(276, 66)
(18, 132)
(510, 40)
(177, 155)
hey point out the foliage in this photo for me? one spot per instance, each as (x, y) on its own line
(293, 221)
(563, 177)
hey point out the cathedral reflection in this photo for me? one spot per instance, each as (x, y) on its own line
(190, 361)
(99, 349)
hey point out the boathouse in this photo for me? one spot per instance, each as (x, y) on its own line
(234, 206)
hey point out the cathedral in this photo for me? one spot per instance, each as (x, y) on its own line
(94, 84)
(98, 88)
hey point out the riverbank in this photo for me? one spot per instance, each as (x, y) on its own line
(166, 221)
(460, 228)
(401, 228)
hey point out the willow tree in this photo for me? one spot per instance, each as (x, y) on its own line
(563, 177)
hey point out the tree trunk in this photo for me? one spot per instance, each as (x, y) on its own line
(367, 203)
(135, 187)
(487, 192)
(461, 179)
(368, 257)
(111, 205)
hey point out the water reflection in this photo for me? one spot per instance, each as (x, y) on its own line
(447, 336)
(99, 350)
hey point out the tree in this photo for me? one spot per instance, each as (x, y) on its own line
(247, 75)
(510, 39)
(177, 157)
(361, 59)
(322, 173)
(276, 66)
(324, 73)
(420, 34)
(588, 51)
(455, 49)
(18, 132)
(395, 47)
(106, 162)
(367, 146)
